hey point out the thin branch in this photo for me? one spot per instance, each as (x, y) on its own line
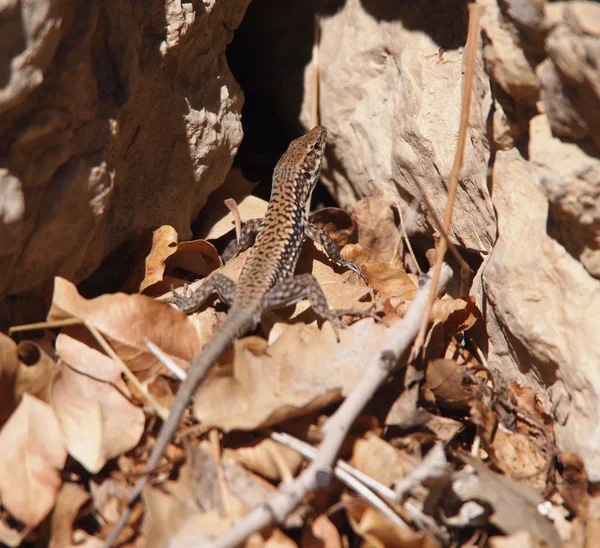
(159, 409)
(318, 475)
(407, 241)
(472, 38)
(237, 219)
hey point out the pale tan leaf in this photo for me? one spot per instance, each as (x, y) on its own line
(32, 454)
(304, 370)
(164, 244)
(381, 461)
(376, 223)
(127, 320)
(9, 367)
(35, 373)
(90, 400)
(70, 500)
(321, 533)
(390, 280)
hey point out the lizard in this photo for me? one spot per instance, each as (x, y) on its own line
(266, 281)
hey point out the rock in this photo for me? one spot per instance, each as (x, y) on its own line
(114, 119)
(570, 177)
(570, 78)
(505, 60)
(542, 312)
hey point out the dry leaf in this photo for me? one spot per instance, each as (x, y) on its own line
(90, 400)
(267, 458)
(515, 506)
(71, 498)
(378, 532)
(164, 244)
(321, 534)
(35, 372)
(305, 369)
(381, 461)
(217, 220)
(337, 223)
(127, 320)
(376, 223)
(9, 367)
(391, 281)
(447, 380)
(32, 454)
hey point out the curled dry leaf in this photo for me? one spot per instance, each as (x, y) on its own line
(337, 223)
(446, 379)
(32, 456)
(267, 458)
(36, 371)
(91, 402)
(172, 264)
(377, 229)
(390, 280)
(126, 321)
(9, 367)
(70, 500)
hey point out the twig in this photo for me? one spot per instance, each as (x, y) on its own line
(159, 409)
(166, 360)
(233, 207)
(314, 117)
(319, 473)
(475, 13)
(407, 241)
(45, 325)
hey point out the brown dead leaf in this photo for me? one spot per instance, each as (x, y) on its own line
(216, 218)
(378, 532)
(518, 540)
(321, 534)
(164, 244)
(126, 321)
(337, 223)
(515, 506)
(11, 536)
(91, 402)
(391, 281)
(9, 367)
(36, 371)
(376, 223)
(167, 509)
(304, 370)
(267, 458)
(70, 500)
(32, 455)
(173, 265)
(382, 461)
(446, 379)
(575, 495)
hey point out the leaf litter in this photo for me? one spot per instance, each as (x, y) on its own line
(458, 460)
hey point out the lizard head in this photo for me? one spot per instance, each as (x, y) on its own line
(302, 161)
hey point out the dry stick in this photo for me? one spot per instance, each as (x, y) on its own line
(319, 474)
(158, 408)
(407, 241)
(465, 269)
(314, 116)
(233, 207)
(475, 14)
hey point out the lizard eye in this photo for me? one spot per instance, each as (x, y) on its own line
(317, 145)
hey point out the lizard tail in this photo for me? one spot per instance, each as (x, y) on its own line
(236, 324)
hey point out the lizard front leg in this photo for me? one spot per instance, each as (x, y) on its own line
(218, 284)
(305, 286)
(321, 237)
(247, 238)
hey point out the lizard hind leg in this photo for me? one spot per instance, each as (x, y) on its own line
(305, 286)
(218, 284)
